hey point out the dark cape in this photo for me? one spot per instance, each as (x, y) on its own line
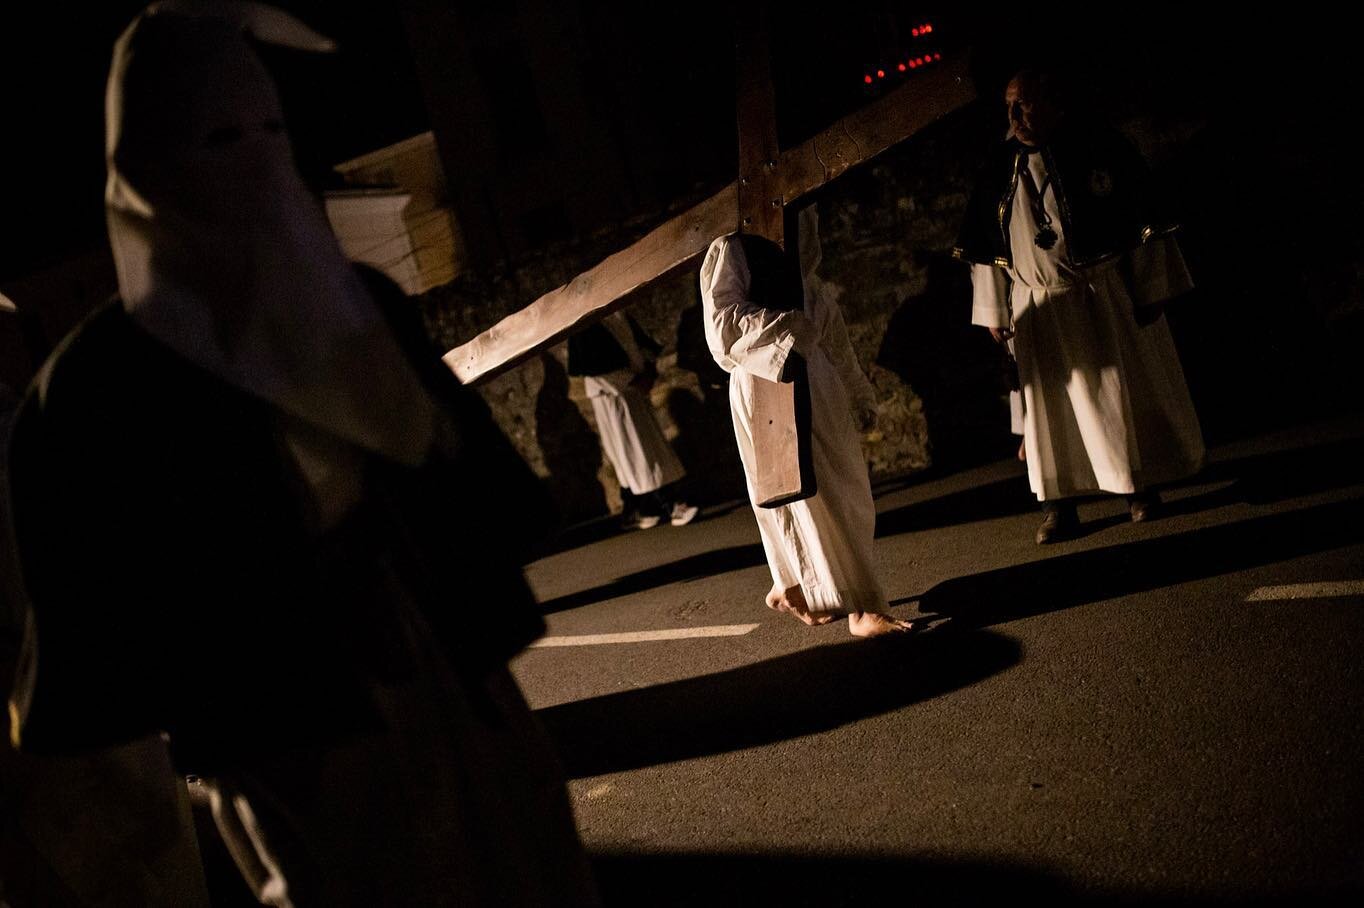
(1103, 190)
(177, 575)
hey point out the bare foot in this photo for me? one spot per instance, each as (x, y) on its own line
(871, 624)
(776, 598)
(1022, 451)
(792, 601)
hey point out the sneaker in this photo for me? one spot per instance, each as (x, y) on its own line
(683, 514)
(638, 521)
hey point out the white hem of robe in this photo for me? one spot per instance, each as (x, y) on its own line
(1105, 403)
(631, 438)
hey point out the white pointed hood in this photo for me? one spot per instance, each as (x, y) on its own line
(222, 252)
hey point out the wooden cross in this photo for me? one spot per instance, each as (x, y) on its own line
(780, 421)
(770, 179)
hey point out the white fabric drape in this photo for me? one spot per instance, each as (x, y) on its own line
(1105, 404)
(634, 443)
(823, 543)
(222, 252)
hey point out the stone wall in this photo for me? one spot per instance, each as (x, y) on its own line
(887, 231)
(1269, 337)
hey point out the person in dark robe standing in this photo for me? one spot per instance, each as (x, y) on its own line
(256, 514)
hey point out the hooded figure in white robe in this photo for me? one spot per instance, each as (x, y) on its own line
(255, 513)
(614, 368)
(631, 437)
(819, 549)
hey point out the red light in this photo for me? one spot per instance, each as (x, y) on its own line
(880, 74)
(913, 64)
(901, 67)
(867, 79)
(915, 32)
(927, 28)
(937, 56)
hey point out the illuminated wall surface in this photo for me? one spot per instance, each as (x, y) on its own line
(1275, 332)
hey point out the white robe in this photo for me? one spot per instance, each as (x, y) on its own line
(823, 543)
(1105, 406)
(630, 435)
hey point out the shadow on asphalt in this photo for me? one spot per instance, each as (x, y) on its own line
(607, 527)
(1258, 479)
(717, 880)
(1255, 479)
(722, 880)
(1053, 584)
(1277, 476)
(706, 564)
(1001, 498)
(758, 704)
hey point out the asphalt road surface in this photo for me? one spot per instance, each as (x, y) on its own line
(1168, 712)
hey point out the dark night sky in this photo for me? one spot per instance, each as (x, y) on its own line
(53, 65)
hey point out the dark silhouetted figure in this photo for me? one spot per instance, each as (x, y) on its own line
(256, 513)
(571, 450)
(705, 442)
(953, 367)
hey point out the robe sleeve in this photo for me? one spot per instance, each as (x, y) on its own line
(740, 333)
(989, 296)
(839, 349)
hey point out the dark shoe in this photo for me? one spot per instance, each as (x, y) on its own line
(1057, 524)
(1144, 507)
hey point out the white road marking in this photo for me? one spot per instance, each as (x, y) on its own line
(681, 633)
(1307, 591)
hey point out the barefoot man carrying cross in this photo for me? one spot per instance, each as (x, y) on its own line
(819, 548)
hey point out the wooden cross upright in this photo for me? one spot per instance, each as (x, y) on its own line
(770, 179)
(780, 422)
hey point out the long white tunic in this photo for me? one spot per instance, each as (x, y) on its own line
(823, 543)
(1105, 405)
(630, 435)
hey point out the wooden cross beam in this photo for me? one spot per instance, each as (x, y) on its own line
(679, 242)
